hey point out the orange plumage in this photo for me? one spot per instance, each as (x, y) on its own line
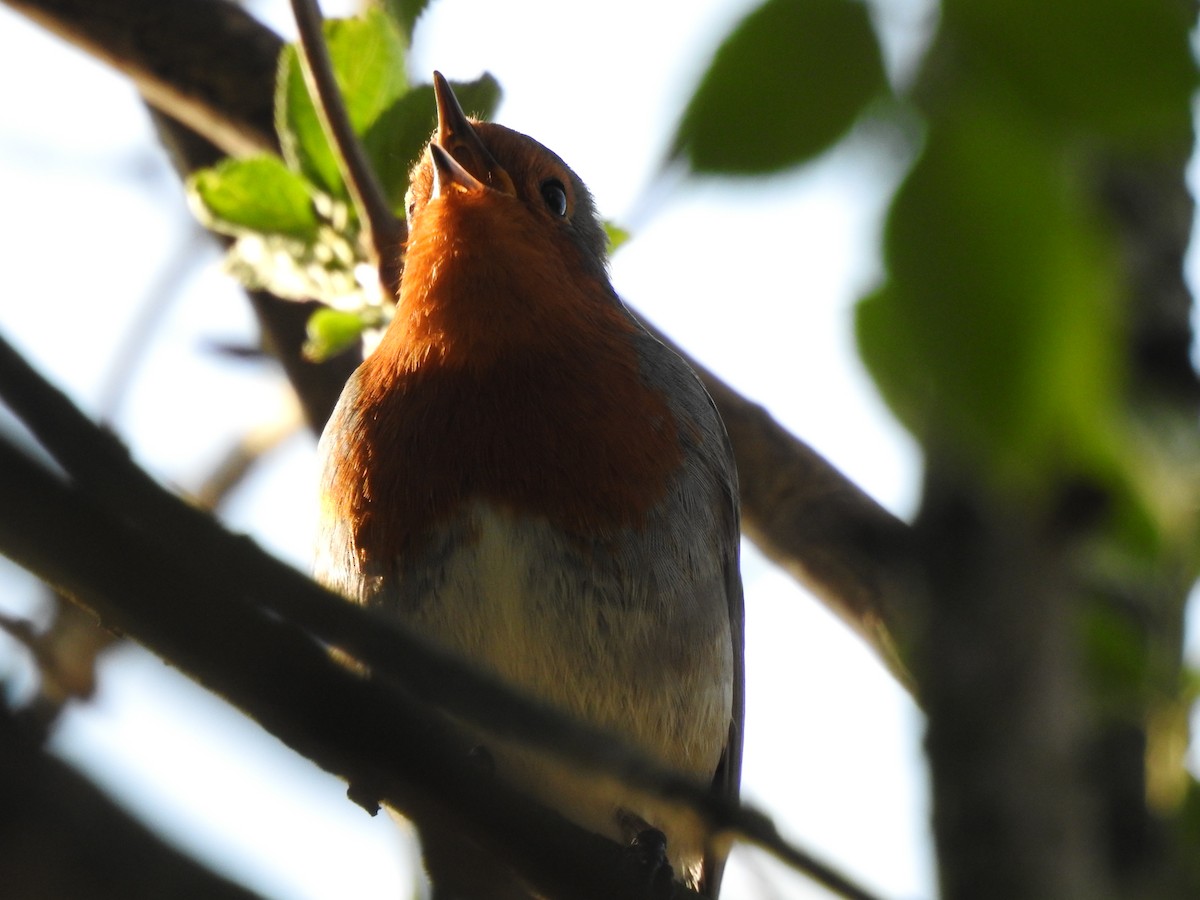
(528, 478)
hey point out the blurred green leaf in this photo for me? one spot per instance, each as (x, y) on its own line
(259, 194)
(1114, 67)
(886, 346)
(397, 137)
(405, 13)
(785, 85)
(1117, 655)
(616, 235)
(996, 333)
(330, 331)
(368, 61)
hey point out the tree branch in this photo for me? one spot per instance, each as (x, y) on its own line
(206, 62)
(254, 630)
(999, 665)
(817, 524)
(60, 836)
(389, 747)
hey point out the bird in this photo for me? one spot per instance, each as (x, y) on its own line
(525, 477)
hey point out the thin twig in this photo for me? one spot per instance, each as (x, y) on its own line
(247, 451)
(384, 231)
(135, 342)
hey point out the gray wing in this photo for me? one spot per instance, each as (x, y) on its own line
(698, 407)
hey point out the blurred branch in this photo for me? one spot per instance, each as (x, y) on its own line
(1150, 205)
(255, 631)
(206, 62)
(817, 524)
(807, 516)
(1007, 707)
(62, 837)
(136, 340)
(232, 469)
(65, 653)
(272, 670)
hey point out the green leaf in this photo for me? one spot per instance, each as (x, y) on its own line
(616, 235)
(1113, 67)
(301, 137)
(401, 132)
(405, 13)
(886, 343)
(259, 194)
(1117, 655)
(368, 63)
(996, 333)
(330, 331)
(785, 85)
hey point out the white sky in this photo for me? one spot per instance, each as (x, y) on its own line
(756, 279)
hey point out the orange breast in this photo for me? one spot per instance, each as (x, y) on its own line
(567, 432)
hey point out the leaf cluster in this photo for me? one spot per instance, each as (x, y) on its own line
(295, 230)
(999, 328)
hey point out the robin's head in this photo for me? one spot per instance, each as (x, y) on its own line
(526, 193)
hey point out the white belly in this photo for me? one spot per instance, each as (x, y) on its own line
(642, 650)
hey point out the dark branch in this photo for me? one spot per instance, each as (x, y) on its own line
(63, 837)
(388, 746)
(206, 62)
(81, 543)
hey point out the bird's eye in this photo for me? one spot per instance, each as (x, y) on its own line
(555, 196)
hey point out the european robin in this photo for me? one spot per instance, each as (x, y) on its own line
(525, 476)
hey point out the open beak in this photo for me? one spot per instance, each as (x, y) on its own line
(456, 136)
(448, 174)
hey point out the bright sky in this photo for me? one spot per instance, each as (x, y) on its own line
(758, 280)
